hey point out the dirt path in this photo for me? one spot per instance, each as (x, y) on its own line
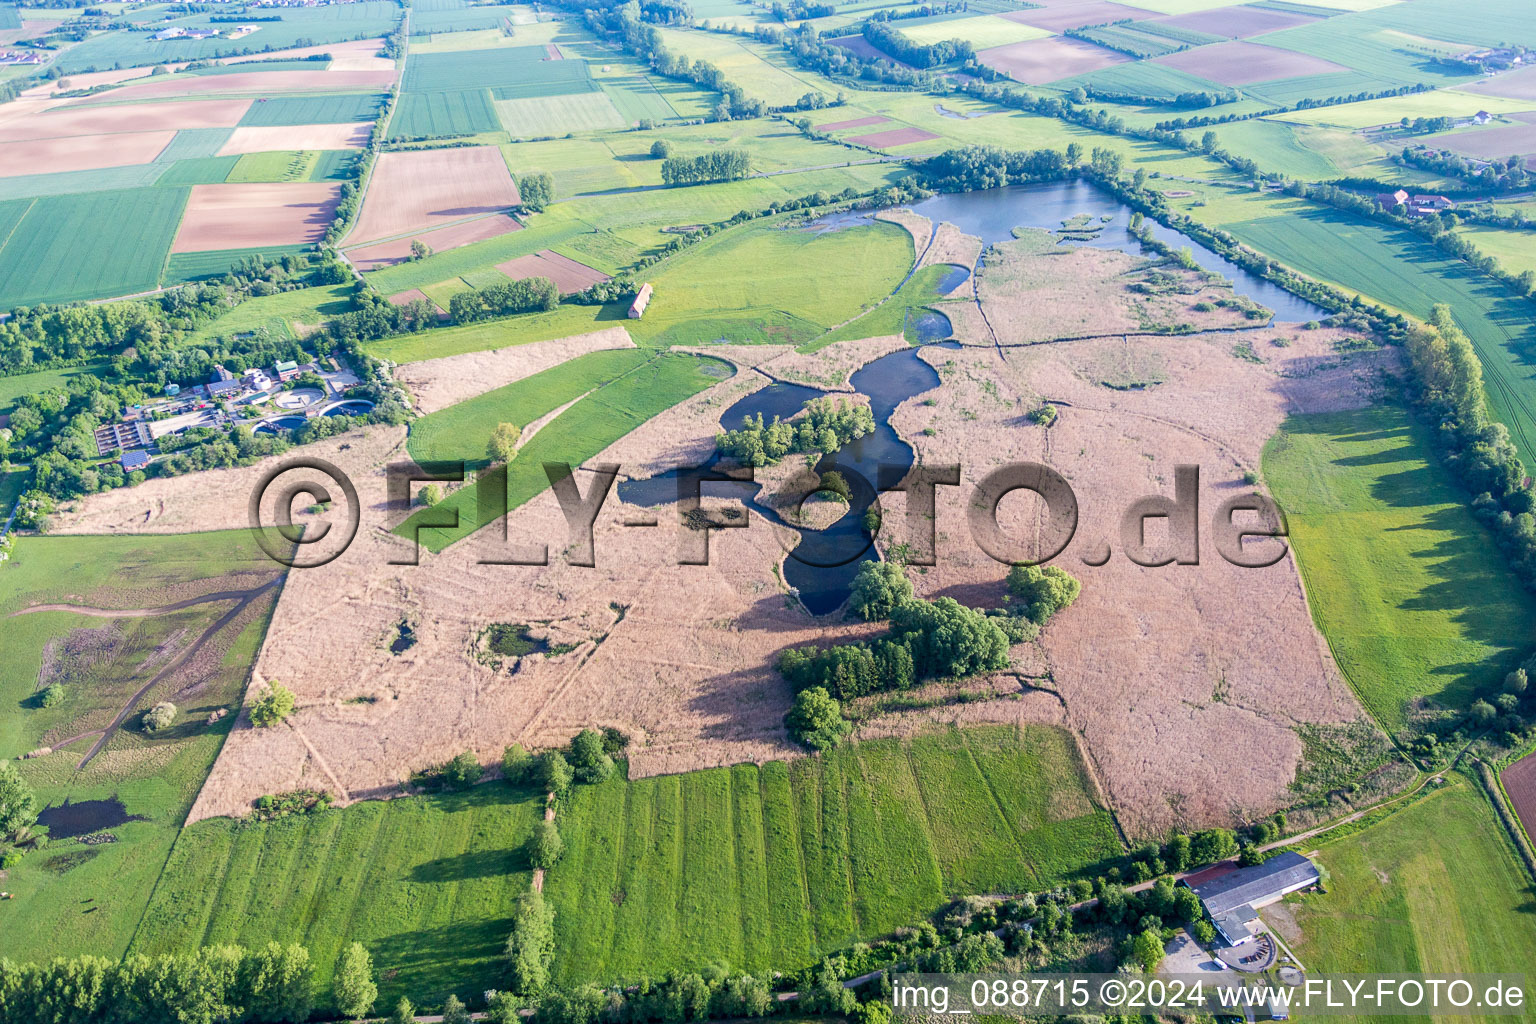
(147, 613)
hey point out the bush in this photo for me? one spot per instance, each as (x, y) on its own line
(274, 705)
(816, 719)
(1043, 591)
(661, 149)
(589, 760)
(878, 588)
(545, 847)
(516, 764)
(554, 772)
(159, 717)
(53, 696)
(531, 946)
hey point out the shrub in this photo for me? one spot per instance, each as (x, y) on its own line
(1043, 591)
(53, 696)
(516, 764)
(878, 588)
(159, 717)
(661, 149)
(431, 495)
(531, 946)
(589, 761)
(274, 705)
(816, 719)
(554, 772)
(545, 847)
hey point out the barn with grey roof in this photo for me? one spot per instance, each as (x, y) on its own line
(1232, 899)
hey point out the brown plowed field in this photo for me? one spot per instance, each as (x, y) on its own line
(1520, 783)
(894, 137)
(568, 275)
(59, 122)
(1238, 22)
(1037, 61)
(387, 254)
(1240, 63)
(858, 122)
(418, 191)
(1054, 17)
(250, 216)
(266, 83)
(81, 152)
(265, 139)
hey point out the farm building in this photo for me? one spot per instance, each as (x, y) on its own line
(1232, 899)
(642, 299)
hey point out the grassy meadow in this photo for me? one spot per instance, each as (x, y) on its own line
(1435, 888)
(426, 883)
(1405, 585)
(768, 867)
(88, 899)
(598, 419)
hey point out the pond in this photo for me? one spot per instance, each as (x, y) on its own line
(823, 565)
(992, 214)
(283, 423)
(357, 407)
(67, 820)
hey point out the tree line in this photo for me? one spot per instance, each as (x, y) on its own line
(716, 165)
(883, 36)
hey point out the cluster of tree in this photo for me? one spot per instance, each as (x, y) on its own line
(809, 50)
(536, 190)
(982, 167)
(618, 289)
(884, 37)
(1507, 175)
(825, 426)
(1306, 103)
(716, 165)
(799, 10)
(273, 703)
(530, 295)
(926, 640)
(454, 775)
(38, 337)
(589, 759)
(372, 317)
(214, 985)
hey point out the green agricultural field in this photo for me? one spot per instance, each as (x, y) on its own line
(277, 314)
(1401, 270)
(340, 108)
(610, 232)
(981, 32)
(1407, 587)
(1140, 78)
(462, 431)
(1515, 250)
(1351, 41)
(208, 170)
(467, 18)
(640, 97)
(1437, 103)
(426, 883)
(16, 385)
(303, 26)
(1434, 888)
(78, 899)
(442, 114)
(769, 867)
(894, 316)
(181, 267)
(298, 165)
(1275, 147)
(88, 246)
(547, 116)
(744, 63)
(9, 18)
(590, 425)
